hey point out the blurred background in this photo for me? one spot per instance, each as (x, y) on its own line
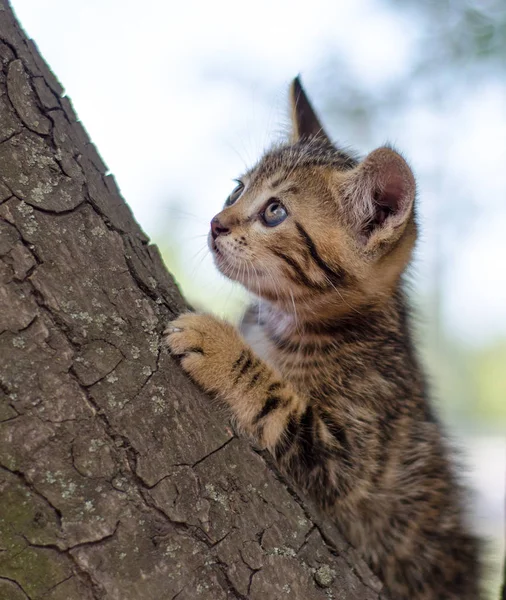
(180, 97)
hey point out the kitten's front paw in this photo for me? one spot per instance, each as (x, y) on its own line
(207, 347)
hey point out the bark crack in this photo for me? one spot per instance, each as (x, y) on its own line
(213, 452)
(27, 483)
(16, 584)
(57, 584)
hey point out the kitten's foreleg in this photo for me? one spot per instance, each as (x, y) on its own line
(219, 360)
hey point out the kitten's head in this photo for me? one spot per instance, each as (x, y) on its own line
(311, 225)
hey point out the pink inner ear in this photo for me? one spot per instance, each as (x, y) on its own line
(382, 191)
(391, 195)
(388, 200)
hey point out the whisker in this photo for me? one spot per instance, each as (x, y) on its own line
(204, 251)
(177, 212)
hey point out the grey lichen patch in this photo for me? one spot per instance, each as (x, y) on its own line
(274, 543)
(154, 344)
(98, 231)
(172, 549)
(18, 342)
(303, 523)
(86, 514)
(282, 551)
(23, 98)
(66, 487)
(30, 170)
(96, 360)
(93, 455)
(325, 576)
(30, 223)
(83, 316)
(40, 191)
(159, 404)
(217, 495)
(121, 483)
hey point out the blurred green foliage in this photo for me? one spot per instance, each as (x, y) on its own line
(468, 382)
(489, 379)
(460, 32)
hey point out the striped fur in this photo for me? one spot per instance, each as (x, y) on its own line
(324, 373)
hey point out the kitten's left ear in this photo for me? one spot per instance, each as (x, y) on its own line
(379, 196)
(305, 123)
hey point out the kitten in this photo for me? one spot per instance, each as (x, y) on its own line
(324, 374)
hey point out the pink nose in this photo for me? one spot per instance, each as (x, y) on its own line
(217, 228)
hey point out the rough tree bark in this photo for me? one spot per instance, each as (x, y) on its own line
(118, 479)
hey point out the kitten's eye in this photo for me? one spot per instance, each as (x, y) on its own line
(274, 213)
(234, 196)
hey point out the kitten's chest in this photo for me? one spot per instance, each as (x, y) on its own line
(307, 371)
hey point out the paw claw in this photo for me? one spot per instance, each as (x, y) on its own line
(171, 329)
(205, 345)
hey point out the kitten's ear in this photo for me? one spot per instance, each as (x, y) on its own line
(305, 123)
(379, 196)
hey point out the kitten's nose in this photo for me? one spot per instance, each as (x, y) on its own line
(217, 228)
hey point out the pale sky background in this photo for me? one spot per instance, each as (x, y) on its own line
(178, 96)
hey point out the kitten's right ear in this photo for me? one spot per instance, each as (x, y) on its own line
(305, 123)
(379, 196)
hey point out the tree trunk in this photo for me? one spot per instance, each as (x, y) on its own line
(118, 478)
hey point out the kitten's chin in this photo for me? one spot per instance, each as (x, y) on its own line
(222, 262)
(219, 261)
(242, 275)
(217, 254)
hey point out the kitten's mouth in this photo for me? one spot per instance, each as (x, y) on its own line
(219, 256)
(214, 248)
(222, 260)
(228, 267)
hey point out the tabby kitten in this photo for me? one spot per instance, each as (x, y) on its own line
(324, 374)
